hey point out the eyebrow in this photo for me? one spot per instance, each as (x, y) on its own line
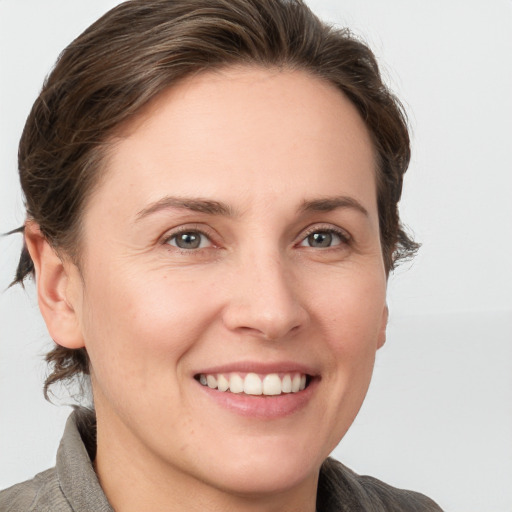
(193, 204)
(333, 203)
(212, 207)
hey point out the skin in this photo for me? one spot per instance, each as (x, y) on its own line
(151, 315)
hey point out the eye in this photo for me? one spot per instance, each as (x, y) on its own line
(324, 238)
(189, 240)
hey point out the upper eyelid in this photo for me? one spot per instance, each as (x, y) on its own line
(211, 234)
(172, 233)
(325, 227)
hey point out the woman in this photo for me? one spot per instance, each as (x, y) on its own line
(212, 194)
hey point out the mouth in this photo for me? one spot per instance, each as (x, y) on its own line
(255, 384)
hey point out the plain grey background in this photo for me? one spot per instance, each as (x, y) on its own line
(438, 417)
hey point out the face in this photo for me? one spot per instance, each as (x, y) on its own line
(234, 243)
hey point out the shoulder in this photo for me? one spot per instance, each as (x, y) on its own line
(41, 494)
(72, 485)
(341, 489)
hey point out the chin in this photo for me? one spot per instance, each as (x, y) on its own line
(266, 470)
(268, 479)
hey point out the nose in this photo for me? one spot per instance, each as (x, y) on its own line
(265, 300)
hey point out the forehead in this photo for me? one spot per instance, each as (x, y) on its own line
(239, 130)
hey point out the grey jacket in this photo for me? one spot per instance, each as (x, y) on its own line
(72, 485)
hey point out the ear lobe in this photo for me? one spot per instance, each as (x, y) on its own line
(53, 284)
(382, 332)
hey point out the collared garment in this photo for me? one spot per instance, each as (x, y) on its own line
(72, 485)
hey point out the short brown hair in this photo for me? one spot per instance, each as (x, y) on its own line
(141, 47)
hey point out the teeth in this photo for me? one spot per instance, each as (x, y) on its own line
(286, 385)
(272, 384)
(236, 383)
(222, 383)
(296, 383)
(211, 381)
(254, 384)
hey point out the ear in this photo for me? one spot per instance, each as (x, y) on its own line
(384, 323)
(54, 279)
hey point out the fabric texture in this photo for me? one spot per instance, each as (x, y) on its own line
(72, 485)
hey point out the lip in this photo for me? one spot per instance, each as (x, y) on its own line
(260, 368)
(260, 406)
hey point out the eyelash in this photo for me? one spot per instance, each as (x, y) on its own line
(183, 230)
(344, 237)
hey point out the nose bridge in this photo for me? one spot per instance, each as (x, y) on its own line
(264, 299)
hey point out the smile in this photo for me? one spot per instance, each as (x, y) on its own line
(271, 384)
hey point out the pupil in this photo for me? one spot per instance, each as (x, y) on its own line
(320, 239)
(188, 241)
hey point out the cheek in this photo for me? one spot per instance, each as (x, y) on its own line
(352, 310)
(352, 316)
(138, 329)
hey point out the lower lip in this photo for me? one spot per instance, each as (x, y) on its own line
(262, 406)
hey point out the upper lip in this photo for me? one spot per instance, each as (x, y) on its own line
(259, 367)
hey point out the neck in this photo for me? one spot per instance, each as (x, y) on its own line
(134, 478)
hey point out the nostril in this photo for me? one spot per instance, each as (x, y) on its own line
(272, 313)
